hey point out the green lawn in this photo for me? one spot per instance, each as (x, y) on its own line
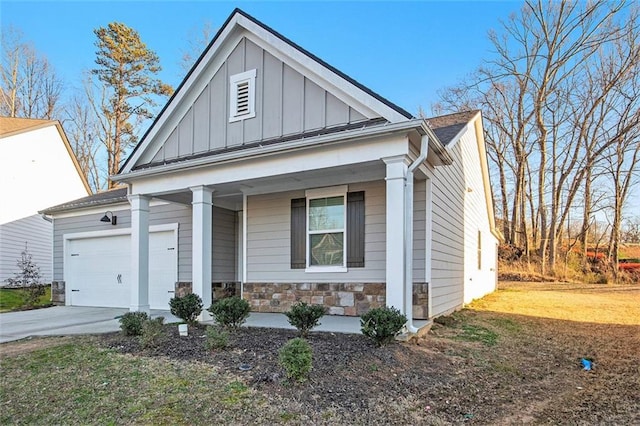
(79, 383)
(14, 299)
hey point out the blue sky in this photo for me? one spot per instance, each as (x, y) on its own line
(405, 51)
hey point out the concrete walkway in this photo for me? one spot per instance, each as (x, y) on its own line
(68, 320)
(65, 320)
(331, 323)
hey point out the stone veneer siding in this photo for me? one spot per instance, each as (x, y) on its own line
(58, 296)
(349, 299)
(219, 290)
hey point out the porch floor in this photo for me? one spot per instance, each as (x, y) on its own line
(330, 323)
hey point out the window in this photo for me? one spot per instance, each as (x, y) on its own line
(242, 96)
(479, 250)
(326, 219)
(327, 230)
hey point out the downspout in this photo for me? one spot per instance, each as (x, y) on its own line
(408, 233)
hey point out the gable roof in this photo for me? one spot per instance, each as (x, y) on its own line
(99, 199)
(243, 21)
(10, 126)
(447, 127)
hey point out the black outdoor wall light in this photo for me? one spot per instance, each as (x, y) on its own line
(113, 219)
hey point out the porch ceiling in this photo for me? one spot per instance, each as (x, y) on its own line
(229, 195)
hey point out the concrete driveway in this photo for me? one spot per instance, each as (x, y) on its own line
(65, 320)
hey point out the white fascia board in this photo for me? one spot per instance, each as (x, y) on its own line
(292, 161)
(323, 72)
(339, 137)
(119, 206)
(458, 136)
(435, 144)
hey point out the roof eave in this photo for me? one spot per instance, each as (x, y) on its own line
(350, 135)
(435, 144)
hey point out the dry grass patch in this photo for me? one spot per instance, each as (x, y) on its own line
(592, 303)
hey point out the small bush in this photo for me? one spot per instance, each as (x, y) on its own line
(295, 357)
(28, 277)
(187, 308)
(216, 338)
(152, 333)
(131, 323)
(382, 324)
(230, 312)
(305, 317)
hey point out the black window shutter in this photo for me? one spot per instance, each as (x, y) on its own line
(298, 233)
(355, 229)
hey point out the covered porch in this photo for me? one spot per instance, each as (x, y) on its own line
(259, 191)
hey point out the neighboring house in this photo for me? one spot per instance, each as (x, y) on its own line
(37, 169)
(271, 174)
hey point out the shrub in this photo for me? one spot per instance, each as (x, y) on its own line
(152, 333)
(230, 312)
(187, 308)
(131, 323)
(216, 338)
(295, 357)
(28, 277)
(382, 324)
(304, 317)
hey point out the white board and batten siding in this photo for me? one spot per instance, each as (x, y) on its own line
(286, 103)
(269, 239)
(36, 234)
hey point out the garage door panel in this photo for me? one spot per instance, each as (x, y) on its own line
(98, 270)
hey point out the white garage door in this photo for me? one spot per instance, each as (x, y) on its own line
(98, 270)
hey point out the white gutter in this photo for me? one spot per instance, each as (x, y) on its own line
(408, 233)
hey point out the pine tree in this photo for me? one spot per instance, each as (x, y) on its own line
(127, 69)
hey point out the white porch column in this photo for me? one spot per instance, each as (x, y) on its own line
(201, 246)
(396, 174)
(139, 253)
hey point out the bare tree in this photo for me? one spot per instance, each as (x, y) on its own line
(30, 86)
(197, 40)
(551, 96)
(83, 129)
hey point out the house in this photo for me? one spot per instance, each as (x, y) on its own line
(273, 175)
(37, 169)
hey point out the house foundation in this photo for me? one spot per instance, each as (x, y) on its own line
(348, 299)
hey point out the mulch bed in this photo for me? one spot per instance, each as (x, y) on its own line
(532, 375)
(348, 370)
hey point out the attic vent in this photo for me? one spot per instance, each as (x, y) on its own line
(242, 95)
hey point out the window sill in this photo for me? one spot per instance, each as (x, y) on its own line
(322, 269)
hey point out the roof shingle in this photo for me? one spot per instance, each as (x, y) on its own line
(446, 127)
(101, 198)
(11, 125)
